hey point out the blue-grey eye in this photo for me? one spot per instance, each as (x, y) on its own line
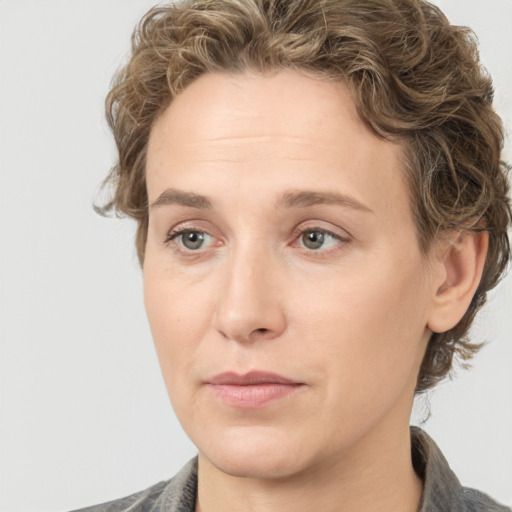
(313, 239)
(193, 240)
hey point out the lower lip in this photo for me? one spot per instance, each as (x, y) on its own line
(252, 396)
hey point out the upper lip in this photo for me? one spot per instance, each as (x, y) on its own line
(251, 378)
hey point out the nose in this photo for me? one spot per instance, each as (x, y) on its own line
(250, 300)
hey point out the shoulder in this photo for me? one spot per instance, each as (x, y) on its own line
(442, 491)
(175, 495)
(472, 500)
(143, 500)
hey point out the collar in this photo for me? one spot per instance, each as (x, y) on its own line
(442, 491)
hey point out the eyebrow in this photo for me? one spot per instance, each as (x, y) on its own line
(294, 199)
(305, 198)
(172, 196)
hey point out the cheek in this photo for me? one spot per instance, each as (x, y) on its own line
(366, 347)
(178, 316)
(367, 326)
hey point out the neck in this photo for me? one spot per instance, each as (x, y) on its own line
(376, 476)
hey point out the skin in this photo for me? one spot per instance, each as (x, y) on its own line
(348, 320)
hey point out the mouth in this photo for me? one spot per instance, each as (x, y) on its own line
(251, 390)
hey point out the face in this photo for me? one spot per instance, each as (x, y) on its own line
(284, 286)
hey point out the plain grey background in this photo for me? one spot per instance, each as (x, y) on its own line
(84, 414)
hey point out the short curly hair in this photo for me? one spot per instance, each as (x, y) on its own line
(415, 79)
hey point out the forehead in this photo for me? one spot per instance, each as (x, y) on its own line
(286, 129)
(219, 107)
(240, 100)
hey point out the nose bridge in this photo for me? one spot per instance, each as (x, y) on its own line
(249, 305)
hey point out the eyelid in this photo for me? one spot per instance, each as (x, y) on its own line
(184, 226)
(318, 225)
(175, 233)
(189, 226)
(172, 235)
(343, 238)
(322, 230)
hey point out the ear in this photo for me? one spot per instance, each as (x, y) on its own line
(460, 265)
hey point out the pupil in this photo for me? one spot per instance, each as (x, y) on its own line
(313, 240)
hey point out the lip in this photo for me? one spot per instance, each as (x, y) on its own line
(251, 390)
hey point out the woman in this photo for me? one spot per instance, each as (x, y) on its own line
(321, 209)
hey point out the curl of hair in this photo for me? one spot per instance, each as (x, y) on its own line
(415, 79)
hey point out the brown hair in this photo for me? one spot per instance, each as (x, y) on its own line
(414, 77)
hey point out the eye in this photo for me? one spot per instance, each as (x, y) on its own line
(315, 239)
(191, 240)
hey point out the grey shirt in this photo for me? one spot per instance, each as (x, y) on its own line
(442, 490)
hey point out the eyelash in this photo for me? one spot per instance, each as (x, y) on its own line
(173, 235)
(297, 234)
(319, 252)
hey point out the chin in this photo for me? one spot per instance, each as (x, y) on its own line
(255, 452)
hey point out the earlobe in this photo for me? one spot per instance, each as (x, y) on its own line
(461, 265)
